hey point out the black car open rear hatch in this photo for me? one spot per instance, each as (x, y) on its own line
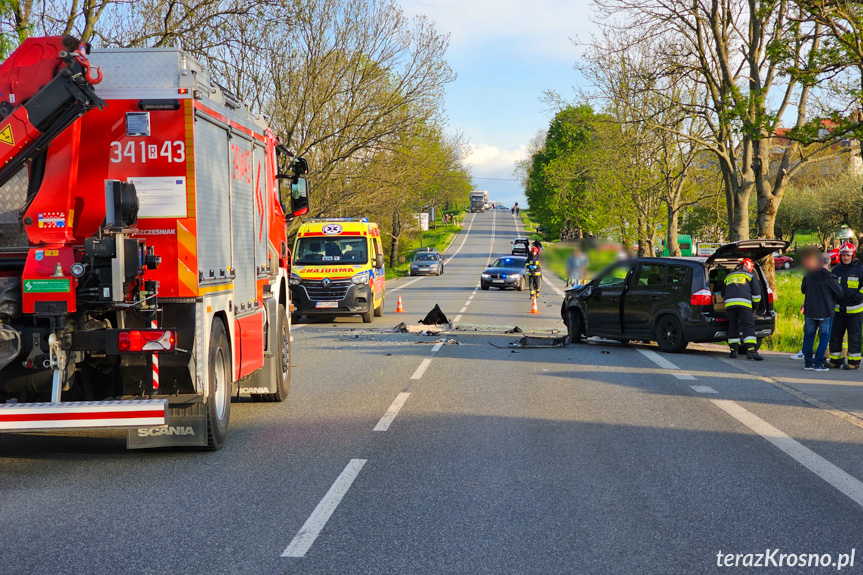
(730, 254)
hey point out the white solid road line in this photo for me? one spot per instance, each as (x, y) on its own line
(836, 477)
(310, 530)
(421, 369)
(464, 239)
(405, 285)
(436, 347)
(556, 289)
(703, 389)
(664, 363)
(391, 413)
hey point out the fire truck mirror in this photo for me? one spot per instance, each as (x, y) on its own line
(299, 197)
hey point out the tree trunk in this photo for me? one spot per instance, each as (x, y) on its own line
(394, 242)
(673, 246)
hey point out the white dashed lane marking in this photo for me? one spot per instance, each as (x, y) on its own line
(421, 369)
(703, 389)
(313, 526)
(665, 364)
(391, 413)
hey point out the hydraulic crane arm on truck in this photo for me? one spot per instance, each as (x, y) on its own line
(143, 252)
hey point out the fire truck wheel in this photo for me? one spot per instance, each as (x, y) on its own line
(219, 400)
(284, 358)
(379, 311)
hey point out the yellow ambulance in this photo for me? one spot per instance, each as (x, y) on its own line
(338, 269)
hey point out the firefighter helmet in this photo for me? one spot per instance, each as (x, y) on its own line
(746, 264)
(848, 248)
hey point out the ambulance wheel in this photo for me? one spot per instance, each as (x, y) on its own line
(367, 317)
(379, 311)
(219, 400)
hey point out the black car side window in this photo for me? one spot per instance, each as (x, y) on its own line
(615, 278)
(650, 275)
(679, 275)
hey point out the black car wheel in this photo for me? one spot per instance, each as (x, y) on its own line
(485, 287)
(669, 335)
(521, 284)
(576, 326)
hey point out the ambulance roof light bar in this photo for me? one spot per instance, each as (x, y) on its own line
(314, 220)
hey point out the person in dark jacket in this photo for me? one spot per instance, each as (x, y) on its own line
(821, 291)
(534, 269)
(742, 289)
(848, 318)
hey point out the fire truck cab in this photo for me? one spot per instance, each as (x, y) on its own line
(143, 254)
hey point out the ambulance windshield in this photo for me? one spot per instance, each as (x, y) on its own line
(330, 250)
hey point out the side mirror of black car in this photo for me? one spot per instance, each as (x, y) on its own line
(589, 292)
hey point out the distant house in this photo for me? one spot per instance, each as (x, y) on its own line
(849, 162)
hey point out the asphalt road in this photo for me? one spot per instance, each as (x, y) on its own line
(396, 453)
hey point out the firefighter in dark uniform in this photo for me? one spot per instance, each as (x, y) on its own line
(534, 270)
(848, 317)
(741, 290)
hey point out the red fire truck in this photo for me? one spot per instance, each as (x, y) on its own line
(144, 262)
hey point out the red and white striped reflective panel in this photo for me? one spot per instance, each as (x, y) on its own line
(155, 360)
(83, 415)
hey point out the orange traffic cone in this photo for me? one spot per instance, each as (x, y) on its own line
(533, 308)
(399, 308)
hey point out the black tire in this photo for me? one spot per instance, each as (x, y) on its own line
(367, 317)
(379, 311)
(669, 335)
(520, 284)
(575, 326)
(219, 397)
(484, 287)
(283, 358)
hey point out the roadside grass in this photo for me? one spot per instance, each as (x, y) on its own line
(438, 238)
(788, 336)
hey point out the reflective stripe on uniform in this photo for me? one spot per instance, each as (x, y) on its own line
(854, 308)
(738, 301)
(750, 339)
(756, 298)
(835, 356)
(855, 357)
(733, 340)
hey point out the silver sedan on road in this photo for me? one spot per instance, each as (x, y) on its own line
(427, 263)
